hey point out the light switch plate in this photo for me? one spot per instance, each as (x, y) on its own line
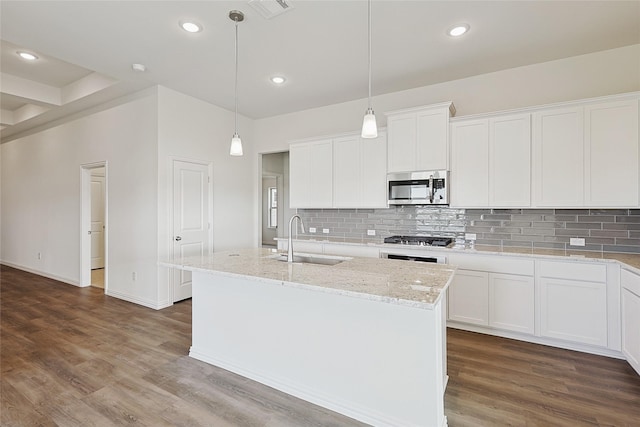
(325, 230)
(371, 232)
(312, 229)
(576, 241)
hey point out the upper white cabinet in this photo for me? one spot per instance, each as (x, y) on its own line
(311, 174)
(586, 155)
(345, 171)
(419, 138)
(359, 172)
(558, 152)
(510, 160)
(490, 162)
(470, 163)
(611, 154)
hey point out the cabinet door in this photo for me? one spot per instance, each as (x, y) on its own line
(631, 328)
(510, 161)
(470, 163)
(432, 140)
(630, 302)
(374, 172)
(311, 174)
(611, 154)
(347, 167)
(574, 310)
(402, 142)
(469, 297)
(558, 158)
(512, 302)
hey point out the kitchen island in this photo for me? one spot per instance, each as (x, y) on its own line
(365, 337)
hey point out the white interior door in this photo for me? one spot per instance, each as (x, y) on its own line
(97, 221)
(190, 219)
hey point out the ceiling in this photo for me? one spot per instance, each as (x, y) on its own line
(86, 49)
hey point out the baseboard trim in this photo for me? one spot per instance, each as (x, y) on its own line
(303, 392)
(55, 277)
(135, 300)
(584, 348)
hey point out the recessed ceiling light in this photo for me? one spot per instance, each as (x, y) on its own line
(190, 27)
(458, 30)
(278, 80)
(28, 56)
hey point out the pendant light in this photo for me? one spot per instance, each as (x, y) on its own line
(236, 143)
(369, 126)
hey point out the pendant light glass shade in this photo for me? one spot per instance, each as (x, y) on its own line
(236, 145)
(369, 126)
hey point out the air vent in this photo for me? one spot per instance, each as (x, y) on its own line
(270, 8)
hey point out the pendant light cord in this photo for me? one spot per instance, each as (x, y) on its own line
(369, 37)
(236, 82)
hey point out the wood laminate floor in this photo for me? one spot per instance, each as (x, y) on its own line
(75, 357)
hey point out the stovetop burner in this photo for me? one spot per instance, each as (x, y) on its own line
(419, 240)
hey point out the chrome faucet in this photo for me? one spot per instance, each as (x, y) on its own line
(290, 243)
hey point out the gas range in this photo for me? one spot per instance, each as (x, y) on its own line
(419, 240)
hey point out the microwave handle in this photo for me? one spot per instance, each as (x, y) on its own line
(432, 190)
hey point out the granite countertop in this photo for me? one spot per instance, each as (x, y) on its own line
(628, 260)
(412, 284)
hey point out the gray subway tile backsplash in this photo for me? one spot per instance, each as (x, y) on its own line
(606, 230)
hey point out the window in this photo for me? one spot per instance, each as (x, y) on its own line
(273, 207)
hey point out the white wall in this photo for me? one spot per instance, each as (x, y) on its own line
(192, 129)
(598, 74)
(41, 196)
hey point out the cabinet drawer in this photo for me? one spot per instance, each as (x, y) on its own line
(493, 264)
(630, 281)
(574, 271)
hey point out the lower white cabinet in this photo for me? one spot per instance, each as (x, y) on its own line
(631, 318)
(500, 301)
(512, 302)
(469, 297)
(573, 302)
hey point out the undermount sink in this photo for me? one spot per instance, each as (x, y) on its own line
(312, 259)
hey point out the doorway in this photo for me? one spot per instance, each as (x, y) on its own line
(274, 197)
(93, 227)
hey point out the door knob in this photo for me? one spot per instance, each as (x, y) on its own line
(89, 232)
(178, 238)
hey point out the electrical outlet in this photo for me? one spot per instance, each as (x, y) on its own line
(576, 241)
(371, 232)
(325, 230)
(312, 229)
(133, 276)
(470, 236)
(39, 255)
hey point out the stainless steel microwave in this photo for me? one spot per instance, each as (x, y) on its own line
(418, 188)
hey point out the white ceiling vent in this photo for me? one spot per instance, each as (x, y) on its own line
(270, 8)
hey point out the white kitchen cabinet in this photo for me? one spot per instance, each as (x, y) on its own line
(510, 161)
(630, 301)
(419, 138)
(558, 153)
(611, 154)
(586, 155)
(469, 297)
(490, 162)
(359, 172)
(470, 163)
(311, 174)
(512, 302)
(573, 302)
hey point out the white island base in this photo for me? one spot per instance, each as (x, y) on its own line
(378, 362)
